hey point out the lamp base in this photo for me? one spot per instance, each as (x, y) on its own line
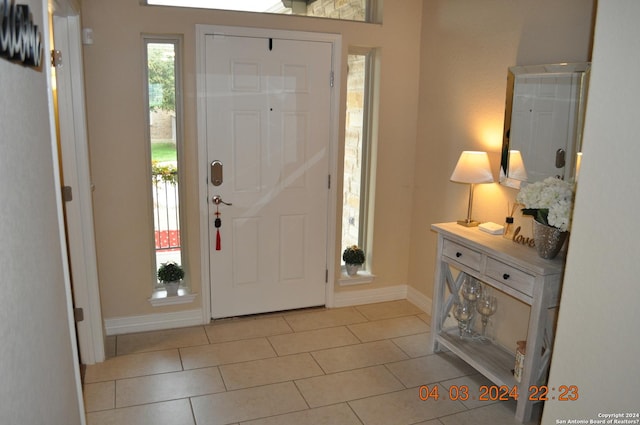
(468, 223)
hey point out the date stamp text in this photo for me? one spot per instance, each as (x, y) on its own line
(500, 393)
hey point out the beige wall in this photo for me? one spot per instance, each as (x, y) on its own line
(466, 48)
(113, 66)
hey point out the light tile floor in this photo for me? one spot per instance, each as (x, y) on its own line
(360, 365)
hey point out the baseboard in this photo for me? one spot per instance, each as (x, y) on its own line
(179, 319)
(153, 322)
(419, 299)
(368, 296)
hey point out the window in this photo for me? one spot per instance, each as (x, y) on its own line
(164, 137)
(350, 10)
(357, 149)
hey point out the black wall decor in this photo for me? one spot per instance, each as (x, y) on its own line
(20, 39)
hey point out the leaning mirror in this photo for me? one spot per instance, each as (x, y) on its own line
(544, 116)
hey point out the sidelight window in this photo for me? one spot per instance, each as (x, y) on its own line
(164, 137)
(357, 155)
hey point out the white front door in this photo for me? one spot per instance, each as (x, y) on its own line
(268, 103)
(544, 111)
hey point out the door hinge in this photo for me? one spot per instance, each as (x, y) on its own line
(67, 194)
(331, 79)
(78, 314)
(326, 275)
(329, 181)
(56, 58)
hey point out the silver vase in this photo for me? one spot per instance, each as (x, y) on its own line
(548, 239)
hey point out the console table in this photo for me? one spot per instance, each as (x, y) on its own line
(515, 270)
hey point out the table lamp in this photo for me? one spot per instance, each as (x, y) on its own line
(472, 168)
(517, 169)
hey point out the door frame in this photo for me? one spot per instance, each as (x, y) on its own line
(336, 58)
(74, 158)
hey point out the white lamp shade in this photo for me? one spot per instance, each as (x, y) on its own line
(472, 167)
(517, 169)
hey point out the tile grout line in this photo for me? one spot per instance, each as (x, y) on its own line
(271, 345)
(400, 348)
(361, 420)
(114, 393)
(394, 375)
(356, 336)
(318, 363)
(295, 384)
(193, 412)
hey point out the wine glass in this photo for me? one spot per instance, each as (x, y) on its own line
(463, 312)
(486, 306)
(471, 289)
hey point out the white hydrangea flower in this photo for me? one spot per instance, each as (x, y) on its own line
(552, 196)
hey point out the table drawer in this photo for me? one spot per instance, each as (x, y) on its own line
(510, 276)
(462, 254)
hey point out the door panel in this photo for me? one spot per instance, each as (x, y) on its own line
(543, 117)
(268, 120)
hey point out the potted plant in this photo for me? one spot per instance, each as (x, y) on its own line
(353, 258)
(170, 274)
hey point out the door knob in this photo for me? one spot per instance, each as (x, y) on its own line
(217, 199)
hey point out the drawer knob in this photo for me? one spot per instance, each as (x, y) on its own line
(505, 276)
(458, 254)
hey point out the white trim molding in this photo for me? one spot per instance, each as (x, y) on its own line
(419, 299)
(153, 322)
(363, 277)
(368, 296)
(159, 297)
(378, 295)
(74, 152)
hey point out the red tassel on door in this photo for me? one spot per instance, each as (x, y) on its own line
(218, 240)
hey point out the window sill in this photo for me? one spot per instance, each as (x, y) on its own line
(361, 278)
(160, 298)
